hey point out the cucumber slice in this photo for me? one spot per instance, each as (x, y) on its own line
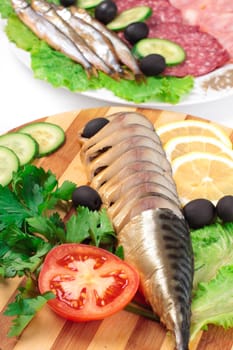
(172, 52)
(88, 4)
(9, 163)
(23, 145)
(135, 14)
(48, 136)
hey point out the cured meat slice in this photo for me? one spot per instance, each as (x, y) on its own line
(206, 49)
(203, 52)
(162, 9)
(213, 17)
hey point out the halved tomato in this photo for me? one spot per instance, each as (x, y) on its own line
(89, 282)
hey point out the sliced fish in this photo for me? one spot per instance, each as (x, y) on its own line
(138, 191)
(117, 119)
(110, 176)
(133, 154)
(111, 193)
(147, 217)
(139, 133)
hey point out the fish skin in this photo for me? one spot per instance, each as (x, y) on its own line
(166, 278)
(141, 203)
(100, 44)
(49, 33)
(49, 13)
(122, 50)
(151, 228)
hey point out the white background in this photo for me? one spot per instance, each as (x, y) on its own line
(24, 98)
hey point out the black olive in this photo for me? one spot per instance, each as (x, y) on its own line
(136, 31)
(93, 126)
(152, 64)
(199, 212)
(106, 11)
(224, 208)
(87, 197)
(67, 3)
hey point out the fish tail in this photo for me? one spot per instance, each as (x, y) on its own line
(140, 78)
(91, 72)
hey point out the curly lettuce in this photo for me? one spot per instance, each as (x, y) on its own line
(213, 248)
(60, 71)
(212, 301)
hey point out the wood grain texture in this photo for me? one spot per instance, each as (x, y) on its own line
(122, 331)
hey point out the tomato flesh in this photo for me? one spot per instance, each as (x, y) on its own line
(89, 283)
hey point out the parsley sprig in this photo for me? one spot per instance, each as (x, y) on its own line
(31, 224)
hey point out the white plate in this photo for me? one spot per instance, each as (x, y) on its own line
(210, 87)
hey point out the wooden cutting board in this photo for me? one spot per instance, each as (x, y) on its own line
(122, 331)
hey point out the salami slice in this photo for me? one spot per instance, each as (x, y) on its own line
(162, 10)
(204, 53)
(213, 17)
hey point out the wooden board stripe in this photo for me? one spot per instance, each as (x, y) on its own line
(122, 331)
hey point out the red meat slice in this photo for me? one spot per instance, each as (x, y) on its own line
(213, 17)
(204, 53)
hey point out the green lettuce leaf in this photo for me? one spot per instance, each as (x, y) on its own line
(213, 248)
(60, 71)
(213, 302)
(5, 8)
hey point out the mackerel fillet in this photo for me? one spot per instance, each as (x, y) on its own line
(126, 163)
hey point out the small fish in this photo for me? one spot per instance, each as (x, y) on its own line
(122, 50)
(48, 12)
(146, 215)
(49, 33)
(100, 44)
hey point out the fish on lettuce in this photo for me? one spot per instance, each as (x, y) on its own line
(60, 71)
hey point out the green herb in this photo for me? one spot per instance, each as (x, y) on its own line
(25, 309)
(90, 226)
(142, 311)
(20, 252)
(30, 226)
(54, 67)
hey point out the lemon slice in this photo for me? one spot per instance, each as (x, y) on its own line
(179, 146)
(191, 128)
(203, 175)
